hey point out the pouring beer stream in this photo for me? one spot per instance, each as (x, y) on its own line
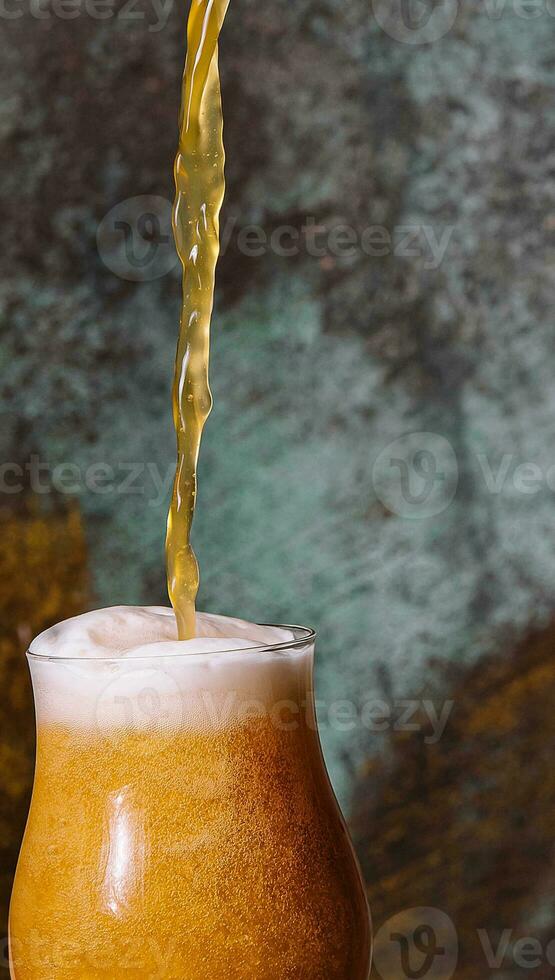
(200, 185)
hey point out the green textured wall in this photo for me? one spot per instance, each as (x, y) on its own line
(321, 363)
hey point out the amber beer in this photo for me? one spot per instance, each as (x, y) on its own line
(182, 823)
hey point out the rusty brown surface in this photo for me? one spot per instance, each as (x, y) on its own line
(468, 825)
(43, 575)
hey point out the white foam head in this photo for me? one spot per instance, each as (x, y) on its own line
(147, 631)
(125, 666)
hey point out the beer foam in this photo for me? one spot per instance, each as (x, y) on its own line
(133, 631)
(125, 667)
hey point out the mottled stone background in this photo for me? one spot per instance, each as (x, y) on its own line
(380, 462)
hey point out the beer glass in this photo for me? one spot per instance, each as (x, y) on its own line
(183, 825)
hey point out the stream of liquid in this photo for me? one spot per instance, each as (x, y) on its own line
(199, 182)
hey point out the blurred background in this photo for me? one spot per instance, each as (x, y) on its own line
(380, 461)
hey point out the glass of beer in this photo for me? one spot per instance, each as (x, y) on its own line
(182, 823)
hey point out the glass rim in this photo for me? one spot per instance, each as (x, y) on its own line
(304, 635)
